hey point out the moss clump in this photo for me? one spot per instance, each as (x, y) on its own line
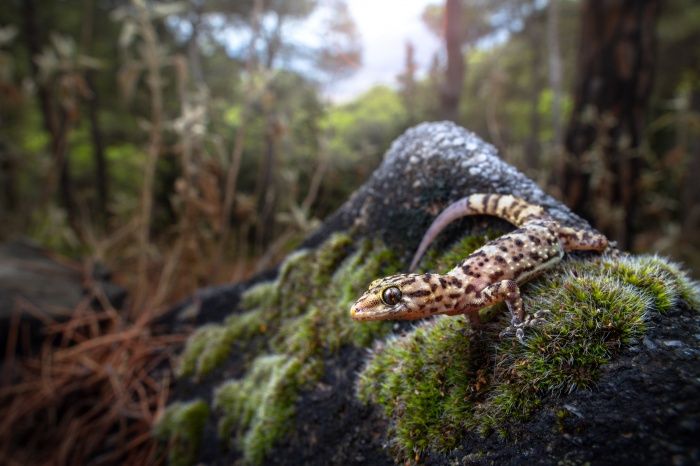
(259, 408)
(304, 315)
(181, 426)
(210, 345)
(425, 381)
(437, 382)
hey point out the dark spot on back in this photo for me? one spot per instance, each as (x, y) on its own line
(454, 295)
(503, 248)
(534, 239)
(433, 287)
(500, 260)
(496, 275)
(418, 293)
(443, 282)
(469, 289)
(457, 282)
(519, 243)
(534, 256)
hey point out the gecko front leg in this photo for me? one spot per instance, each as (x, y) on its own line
(505, 290)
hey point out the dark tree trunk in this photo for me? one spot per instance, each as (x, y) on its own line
(55, 120)
(267, 186)
(98, 150)
(93, 111)
(532, 151)
(408, 83)
(554, 71)
(454, 77)
(8, 177)
(690, 194)
(615, 71)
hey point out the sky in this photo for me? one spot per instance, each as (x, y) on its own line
(384, 27)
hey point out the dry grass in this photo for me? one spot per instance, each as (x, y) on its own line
(90, 395)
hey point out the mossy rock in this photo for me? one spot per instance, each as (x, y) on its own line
(287, 377)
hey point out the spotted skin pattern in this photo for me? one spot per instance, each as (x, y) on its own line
(490, 275)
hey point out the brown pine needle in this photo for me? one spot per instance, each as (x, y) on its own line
(93, 398)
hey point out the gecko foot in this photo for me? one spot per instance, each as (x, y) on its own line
(531, 320)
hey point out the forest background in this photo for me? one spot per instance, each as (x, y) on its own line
(140, 136)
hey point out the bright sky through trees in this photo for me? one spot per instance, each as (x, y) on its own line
(384, 27)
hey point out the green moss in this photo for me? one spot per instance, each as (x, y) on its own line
(210, 345)
(440, 380)
(304, 316)
(181, 426)
(259, 408)
(424, 381)
(262, 295)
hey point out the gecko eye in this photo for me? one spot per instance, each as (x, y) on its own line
(391, 296)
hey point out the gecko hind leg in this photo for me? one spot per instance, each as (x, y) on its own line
(581, 240)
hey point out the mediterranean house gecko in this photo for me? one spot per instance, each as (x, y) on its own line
(490, 275)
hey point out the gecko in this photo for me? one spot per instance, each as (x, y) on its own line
(491, 274)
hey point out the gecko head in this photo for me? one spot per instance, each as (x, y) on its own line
(398, 297)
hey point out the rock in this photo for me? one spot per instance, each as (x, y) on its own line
(35, 284)
(289, 378)
(444, 162)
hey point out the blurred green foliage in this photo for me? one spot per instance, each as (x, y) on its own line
(292, 137)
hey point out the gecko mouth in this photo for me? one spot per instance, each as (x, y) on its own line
(395, 313)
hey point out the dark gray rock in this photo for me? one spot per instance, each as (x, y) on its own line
(646, 409)
(427, 168)
(35, 284)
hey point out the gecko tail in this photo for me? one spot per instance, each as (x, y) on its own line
(510, 208)
(454, 211)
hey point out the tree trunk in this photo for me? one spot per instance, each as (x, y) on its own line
(454, 77)
(93, 109)
(690, 193)
(532, 150)
(615, 70)
(267, 186)
(98, 150)
(407, 81)
(555, 72)
(54, 119)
